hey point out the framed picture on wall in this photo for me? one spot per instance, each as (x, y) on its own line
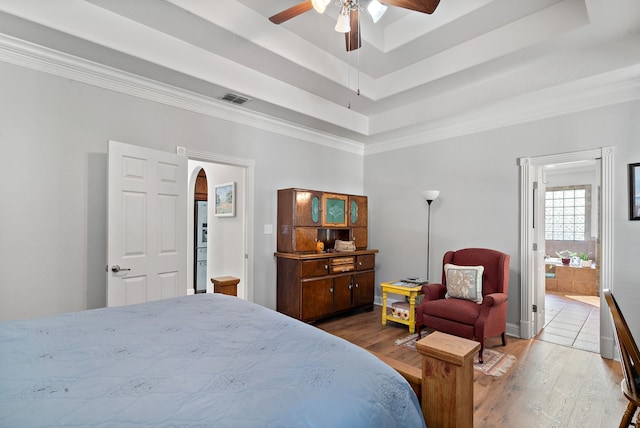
(634, 191)
(225, 203)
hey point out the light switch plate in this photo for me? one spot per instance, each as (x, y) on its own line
(268, 229)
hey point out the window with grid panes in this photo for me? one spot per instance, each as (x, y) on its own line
(567, 212)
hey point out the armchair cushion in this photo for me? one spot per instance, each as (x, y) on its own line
(464, 282)
(456, 310)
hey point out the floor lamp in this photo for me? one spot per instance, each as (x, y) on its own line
(429, 196)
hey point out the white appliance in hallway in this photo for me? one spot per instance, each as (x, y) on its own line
(200, 271)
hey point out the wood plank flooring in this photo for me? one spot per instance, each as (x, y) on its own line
(550, 386)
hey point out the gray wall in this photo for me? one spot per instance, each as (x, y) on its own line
(478, 178)
(54, 137)
(53, 170)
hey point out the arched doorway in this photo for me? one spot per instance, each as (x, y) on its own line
(200, 232)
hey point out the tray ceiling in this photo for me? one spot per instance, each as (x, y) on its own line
(412, 69)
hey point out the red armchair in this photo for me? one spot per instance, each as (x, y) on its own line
(465, 318)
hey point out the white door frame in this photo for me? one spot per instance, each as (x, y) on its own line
(527, 238)
(248, 166)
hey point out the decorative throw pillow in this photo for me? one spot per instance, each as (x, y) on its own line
(344, 245)
(464, 282)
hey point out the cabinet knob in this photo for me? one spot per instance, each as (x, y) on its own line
(331, 290)
(356, 285)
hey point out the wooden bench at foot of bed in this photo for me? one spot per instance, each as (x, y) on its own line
(444, 386)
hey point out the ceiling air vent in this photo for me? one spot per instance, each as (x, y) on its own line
(234, 98)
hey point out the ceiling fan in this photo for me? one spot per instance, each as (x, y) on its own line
(349, 15)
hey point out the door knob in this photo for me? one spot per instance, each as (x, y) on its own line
(117, 268)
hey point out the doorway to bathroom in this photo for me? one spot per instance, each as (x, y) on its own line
(535, 257)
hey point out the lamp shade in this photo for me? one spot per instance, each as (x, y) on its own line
(343, 25)
(320, 5)
(430, 195)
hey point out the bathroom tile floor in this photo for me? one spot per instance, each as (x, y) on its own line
(572, 321)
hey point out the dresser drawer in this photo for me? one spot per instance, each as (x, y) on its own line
(342, 264)
(313, 268)
(365, 262)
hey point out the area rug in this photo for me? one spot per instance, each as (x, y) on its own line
(496, 363)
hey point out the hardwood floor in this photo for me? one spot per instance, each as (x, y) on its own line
(550, 386)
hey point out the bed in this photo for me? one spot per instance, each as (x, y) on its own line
(206, 360)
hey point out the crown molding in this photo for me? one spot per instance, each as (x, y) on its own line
(614, 87)
(36, 57)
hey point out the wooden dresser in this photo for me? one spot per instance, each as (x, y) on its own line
(313, 281)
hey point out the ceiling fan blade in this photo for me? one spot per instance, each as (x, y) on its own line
(292, 12)
(352, 38)
(424, 6)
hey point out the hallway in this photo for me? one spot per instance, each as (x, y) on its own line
(572, 321)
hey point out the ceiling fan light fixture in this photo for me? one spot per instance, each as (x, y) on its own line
(343, 25)
(320, 5)
(376, 10)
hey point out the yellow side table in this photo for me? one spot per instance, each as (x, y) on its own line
(409, 290)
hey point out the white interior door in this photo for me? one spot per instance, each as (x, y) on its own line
(146, 225)
(538, 249)
(532, 248)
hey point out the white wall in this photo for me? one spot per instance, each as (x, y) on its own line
(53, 170)
(54, 138)
(226, 235)
(477, 176)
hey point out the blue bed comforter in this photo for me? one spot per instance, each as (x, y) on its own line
(206, 360)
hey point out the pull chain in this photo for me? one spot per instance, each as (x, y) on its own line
(357, 62)
(358, 56)
(349, 72)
